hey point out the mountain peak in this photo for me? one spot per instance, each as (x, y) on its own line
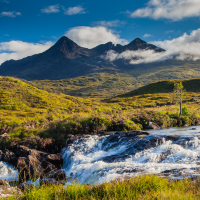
(65, 42)
(137, 41)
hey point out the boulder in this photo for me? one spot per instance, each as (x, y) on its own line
(136, 133)
(9, 156)
(55, 159)
(34, 167)
(26, 186)
(48, 181)
(48, 167)
(152, 125)
(59, 175)
(29, 168)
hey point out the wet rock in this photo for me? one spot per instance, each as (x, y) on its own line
(152, 125)
(23, 151)
(48, 181)
(9, 156)
(26, 186)
(29, 168)
(136, 133)
(172, 137)
(55, 159)
(34, 167)
(59, 175)
(48, 167)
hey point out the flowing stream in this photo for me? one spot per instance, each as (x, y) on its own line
(8, 172)
(173, 152)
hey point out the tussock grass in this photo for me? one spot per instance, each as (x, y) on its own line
(141, 187)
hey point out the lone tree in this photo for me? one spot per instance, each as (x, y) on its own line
(178, 94)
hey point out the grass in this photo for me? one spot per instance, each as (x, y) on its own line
(99, 85)
(141, 187)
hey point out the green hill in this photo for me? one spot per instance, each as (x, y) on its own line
(190, 85)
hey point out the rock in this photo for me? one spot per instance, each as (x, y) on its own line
(172, 137)
(7, 191)
(9, 156)
(4, 135)
(26, 186)
(29, 168)
(136, 133)
(22, 168)
(4, 182)
(48, 181)
(34, 167)
(59, 175)
(55, 159)
(48, 167)
(152, 125)
(23, 151)
(1, 154)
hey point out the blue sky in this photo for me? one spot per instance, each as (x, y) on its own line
(29, 27)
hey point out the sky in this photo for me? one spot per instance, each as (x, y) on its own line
(30, 27)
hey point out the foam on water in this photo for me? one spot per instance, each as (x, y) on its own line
(95, 159)
(8, 172)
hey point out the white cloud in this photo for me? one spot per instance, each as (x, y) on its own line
(51, 9)
(169, 9)
(92, 36)
(185, 47)
(18, 49)
(113, 23)
(75, 10)
(147, 35)
(10, 14)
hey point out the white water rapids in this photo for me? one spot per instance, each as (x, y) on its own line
(8, 172)
(174, 152)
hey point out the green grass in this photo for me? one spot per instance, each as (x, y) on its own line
(141, 187)
(99, 85)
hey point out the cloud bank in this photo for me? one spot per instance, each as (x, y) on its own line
(18, 49)
(90, 37)
(169, 9)
(185, 47)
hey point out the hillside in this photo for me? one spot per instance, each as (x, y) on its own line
(190, 85)
(97, 85)
(31, 115)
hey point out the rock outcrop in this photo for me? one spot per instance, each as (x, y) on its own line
(32, 163)
(152, 125)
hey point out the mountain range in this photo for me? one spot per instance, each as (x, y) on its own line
(66, 59)
(70, 69)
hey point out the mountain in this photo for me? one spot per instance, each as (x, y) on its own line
(66, 59)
